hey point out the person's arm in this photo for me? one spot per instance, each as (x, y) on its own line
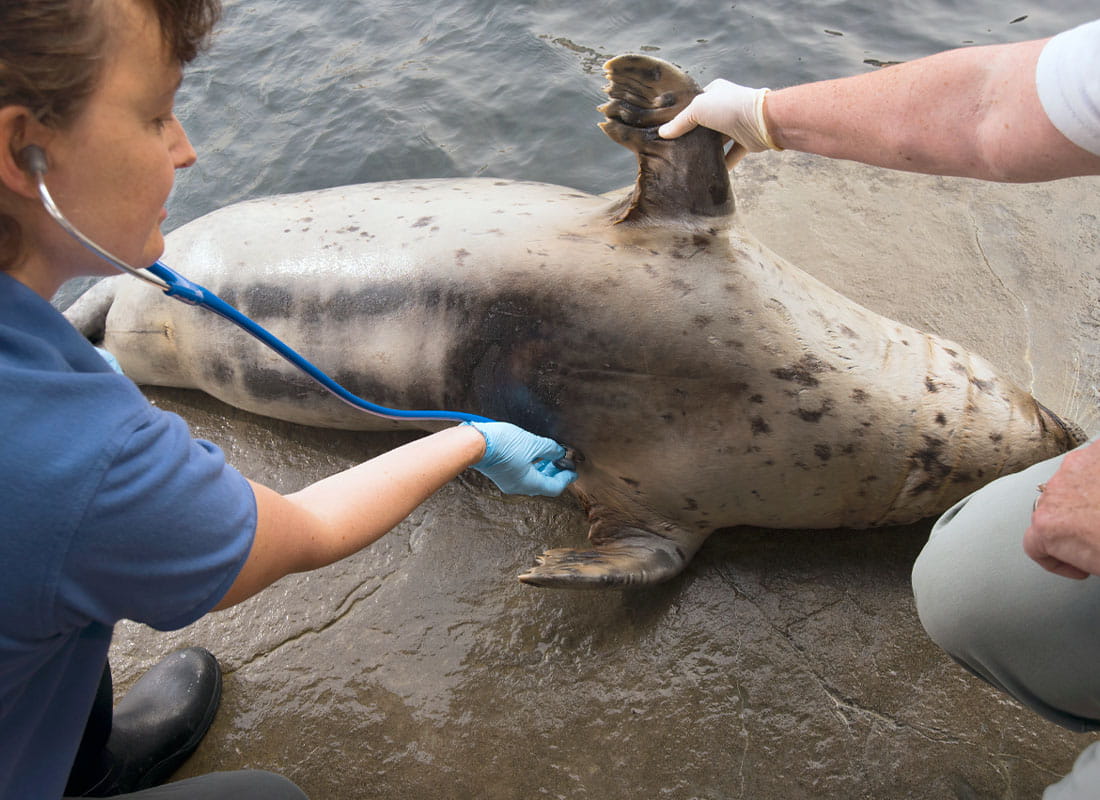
(971, 112)
(342, 514)
(1064, 536)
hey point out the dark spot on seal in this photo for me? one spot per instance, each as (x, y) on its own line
(941, 419)
(848, 332)
(931, 385)
(810, 415)
(759, 426)
(220, 369)
(690, 504)
(461, 255)
(758, 399)
(860, 396)
(931, 463)
(803, 372)
(629, 481)
(996, 438)
(263, 300)
(702, 320)
(823, 451)
(985, 387)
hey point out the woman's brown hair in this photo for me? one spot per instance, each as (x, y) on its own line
(52, 54)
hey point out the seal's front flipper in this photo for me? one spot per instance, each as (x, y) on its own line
(88, 313)
(622, 556)
(677, 178)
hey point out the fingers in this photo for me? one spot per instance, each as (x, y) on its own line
(551, 480)
(543, 448)
(735, 154)
(520, 462)
(1052, 564)
(680, 124)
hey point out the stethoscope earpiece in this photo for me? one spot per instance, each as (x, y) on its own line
(33, 159)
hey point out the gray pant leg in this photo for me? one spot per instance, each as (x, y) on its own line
(239, 785)
(1029, 632)
(1083, 782)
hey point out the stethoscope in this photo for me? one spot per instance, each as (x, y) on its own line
(175, 285)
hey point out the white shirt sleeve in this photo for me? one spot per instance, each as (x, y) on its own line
(1068, 80)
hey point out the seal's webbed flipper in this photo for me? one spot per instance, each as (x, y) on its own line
(622, 556)
(677, 178)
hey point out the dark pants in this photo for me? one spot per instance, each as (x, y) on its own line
(93, 762)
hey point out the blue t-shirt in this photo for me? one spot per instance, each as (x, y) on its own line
(108, 510)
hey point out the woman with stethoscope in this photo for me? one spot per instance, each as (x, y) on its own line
(110, 509)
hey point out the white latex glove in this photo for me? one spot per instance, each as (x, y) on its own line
(729, 108)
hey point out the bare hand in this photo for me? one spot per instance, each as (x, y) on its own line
(1064, 536)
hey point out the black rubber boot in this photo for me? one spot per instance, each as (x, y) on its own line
(160, 721)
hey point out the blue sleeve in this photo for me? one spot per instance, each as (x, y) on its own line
(168, 530)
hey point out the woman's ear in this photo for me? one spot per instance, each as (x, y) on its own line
(18, 130)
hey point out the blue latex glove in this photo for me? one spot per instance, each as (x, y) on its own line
(110, 359)
(520, 462)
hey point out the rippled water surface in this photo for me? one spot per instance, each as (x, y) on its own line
(302, 94)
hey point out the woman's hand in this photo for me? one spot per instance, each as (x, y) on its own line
(519, 462)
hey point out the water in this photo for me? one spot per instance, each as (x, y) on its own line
(304, 94)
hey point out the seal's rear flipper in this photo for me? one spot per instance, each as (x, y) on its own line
(677, 178)
(622, 556)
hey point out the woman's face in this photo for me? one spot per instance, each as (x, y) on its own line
(111, 169)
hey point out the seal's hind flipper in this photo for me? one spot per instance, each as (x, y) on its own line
(622, 556)
(677, 178)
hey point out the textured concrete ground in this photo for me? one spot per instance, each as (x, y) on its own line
(780, 665)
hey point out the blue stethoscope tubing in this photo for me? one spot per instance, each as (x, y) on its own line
(176, 286)
(187, 291)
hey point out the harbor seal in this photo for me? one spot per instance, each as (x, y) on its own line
(706, 382)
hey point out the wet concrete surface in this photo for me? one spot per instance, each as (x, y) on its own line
(780, 665)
